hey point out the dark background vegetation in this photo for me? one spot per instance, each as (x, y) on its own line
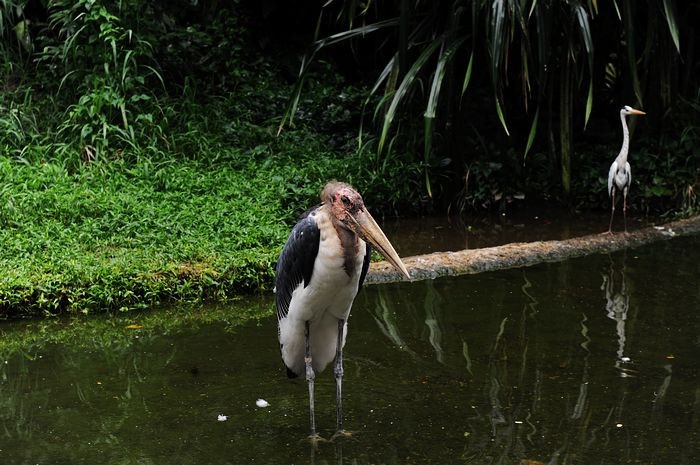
(89, 81)
(161, 149)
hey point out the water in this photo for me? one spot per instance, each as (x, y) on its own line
(413, 236)
(591, 361)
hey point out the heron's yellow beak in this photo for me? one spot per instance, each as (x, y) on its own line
(369, 230)
(637, 112)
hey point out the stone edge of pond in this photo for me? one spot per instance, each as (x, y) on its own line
(519, 254)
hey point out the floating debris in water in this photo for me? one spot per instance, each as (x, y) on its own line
(262, 403)
(619, 425)
(221, 418)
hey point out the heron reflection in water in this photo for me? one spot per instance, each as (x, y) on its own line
(617, 308)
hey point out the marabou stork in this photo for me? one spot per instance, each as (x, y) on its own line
(620, 174)
(319, 272)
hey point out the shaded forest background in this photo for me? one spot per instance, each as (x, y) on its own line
(425, 106)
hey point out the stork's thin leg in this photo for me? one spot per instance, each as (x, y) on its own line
(339, 378)
(624, 207)
(310, 377)
(612, 212)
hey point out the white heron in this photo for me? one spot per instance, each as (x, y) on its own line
(620, 174)
(319, 272)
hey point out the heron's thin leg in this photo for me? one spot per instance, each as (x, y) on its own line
(339, 377)
(612, 212)
(310, 377)
(624, 207)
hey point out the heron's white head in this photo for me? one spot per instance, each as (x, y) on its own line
(348, 208)
(628, 110)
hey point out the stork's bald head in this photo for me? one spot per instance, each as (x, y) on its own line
(348, 209)
(344, 201)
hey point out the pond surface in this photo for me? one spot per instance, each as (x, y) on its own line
(591, 361)
(414, 236)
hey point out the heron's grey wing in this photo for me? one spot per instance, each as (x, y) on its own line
(365, 267)
(296, 262)
(611, 177)
(628, 171)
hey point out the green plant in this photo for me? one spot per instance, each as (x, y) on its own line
(539, 57)
(105, 67)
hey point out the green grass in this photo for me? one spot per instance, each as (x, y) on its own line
(122, 236)
(129, 236)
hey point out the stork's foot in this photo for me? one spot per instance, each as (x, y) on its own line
(608, 233)
(342, 434)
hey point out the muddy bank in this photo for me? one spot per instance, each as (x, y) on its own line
(516, 255)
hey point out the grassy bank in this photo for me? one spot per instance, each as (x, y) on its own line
(118, 235)
(126, 236)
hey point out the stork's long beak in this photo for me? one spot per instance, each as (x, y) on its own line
(370, 231)
(637, 112)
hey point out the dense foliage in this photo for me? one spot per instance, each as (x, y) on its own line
(516, 97)
(153, 150)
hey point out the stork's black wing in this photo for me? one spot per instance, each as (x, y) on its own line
(296, 262)
(365, 267)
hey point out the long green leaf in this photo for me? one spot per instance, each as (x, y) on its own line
(585, 29)
(427, 146)
(403, 87)
(468, 74)
(308, 58)
(532, 8)
(500, 115)
(589, 103)
(352, 33)
(672, 25)
(430, 110)
(497, 45)
(533, 132)
(439, 75)
(382, 77)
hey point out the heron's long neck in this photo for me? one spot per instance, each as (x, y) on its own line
(622, 157)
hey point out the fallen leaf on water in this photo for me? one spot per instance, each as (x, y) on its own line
(670, 357)
(531, 462)
(134, 327)
(466, 434)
